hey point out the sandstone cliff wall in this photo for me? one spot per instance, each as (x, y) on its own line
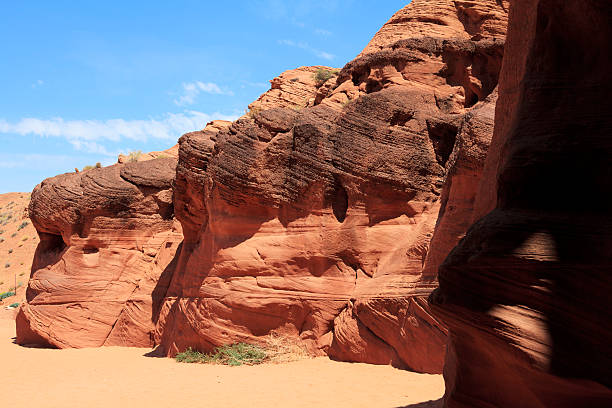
(526, 294)
(310, 217)
(107, 237)
(313, 221)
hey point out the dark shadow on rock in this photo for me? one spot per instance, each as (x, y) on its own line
(426, 404)
(163, 283)
(157, 352)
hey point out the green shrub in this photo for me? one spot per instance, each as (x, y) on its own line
(10, 251)
(252, 112)
(22, 225)
(13, 235)
(323, 75)
(7, 265)
(87, 168)
(98, 165)
(6, 295)
(134, 155)
(232, 355)
(191, 356)
(14, 305)
(24, 239)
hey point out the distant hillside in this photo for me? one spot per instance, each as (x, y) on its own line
(18, 241)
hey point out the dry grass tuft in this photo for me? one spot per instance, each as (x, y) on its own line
(275, 349)
(281, 349)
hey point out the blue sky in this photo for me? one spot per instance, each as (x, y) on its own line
(81, 81)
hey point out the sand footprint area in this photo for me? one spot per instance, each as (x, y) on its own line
(125, 377)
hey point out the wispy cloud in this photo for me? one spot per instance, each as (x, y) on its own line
(38, 83)
(305, 46)
(280, 9)
(322, 32)
(191, 90)
(255, 84)
(17, 160)
(89, 135)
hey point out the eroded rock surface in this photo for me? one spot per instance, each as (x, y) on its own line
(526, 294)
(315, 223)
(309, 217)
(107, 237)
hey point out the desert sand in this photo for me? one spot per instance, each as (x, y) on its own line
(125, 377)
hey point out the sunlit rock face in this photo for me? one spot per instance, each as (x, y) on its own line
(107, 238)
(526, 294)
(311, 217)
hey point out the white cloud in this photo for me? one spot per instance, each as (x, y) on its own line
(255, 84)
(191, 90)
(88, 135)
(38, 83)
(322, 32)
(305, 46)
(35, 160)
(297, 9)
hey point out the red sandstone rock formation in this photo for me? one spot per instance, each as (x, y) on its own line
(107, 239)
(138, 156)
(526, 294)
(294, 89)
(315, 223)
(309, 217)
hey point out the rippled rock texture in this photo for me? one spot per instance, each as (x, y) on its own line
(107, 239)
(310, 217)
(313, 220)
(526, 294)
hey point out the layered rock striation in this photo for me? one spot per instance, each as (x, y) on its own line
(107, 238)
(310, 217)
(314, 221)
(526, 294)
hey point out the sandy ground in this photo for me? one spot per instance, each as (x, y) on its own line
(125, 377)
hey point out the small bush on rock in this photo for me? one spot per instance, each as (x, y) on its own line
(133, 156)
(5, 295)
(323, 75)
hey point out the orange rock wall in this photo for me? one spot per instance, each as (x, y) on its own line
(107, 238)
(309, 217)
(314, 221)
(526, 294)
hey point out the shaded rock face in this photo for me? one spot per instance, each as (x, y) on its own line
(314, 223)
(526, 294)
(107, 239)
